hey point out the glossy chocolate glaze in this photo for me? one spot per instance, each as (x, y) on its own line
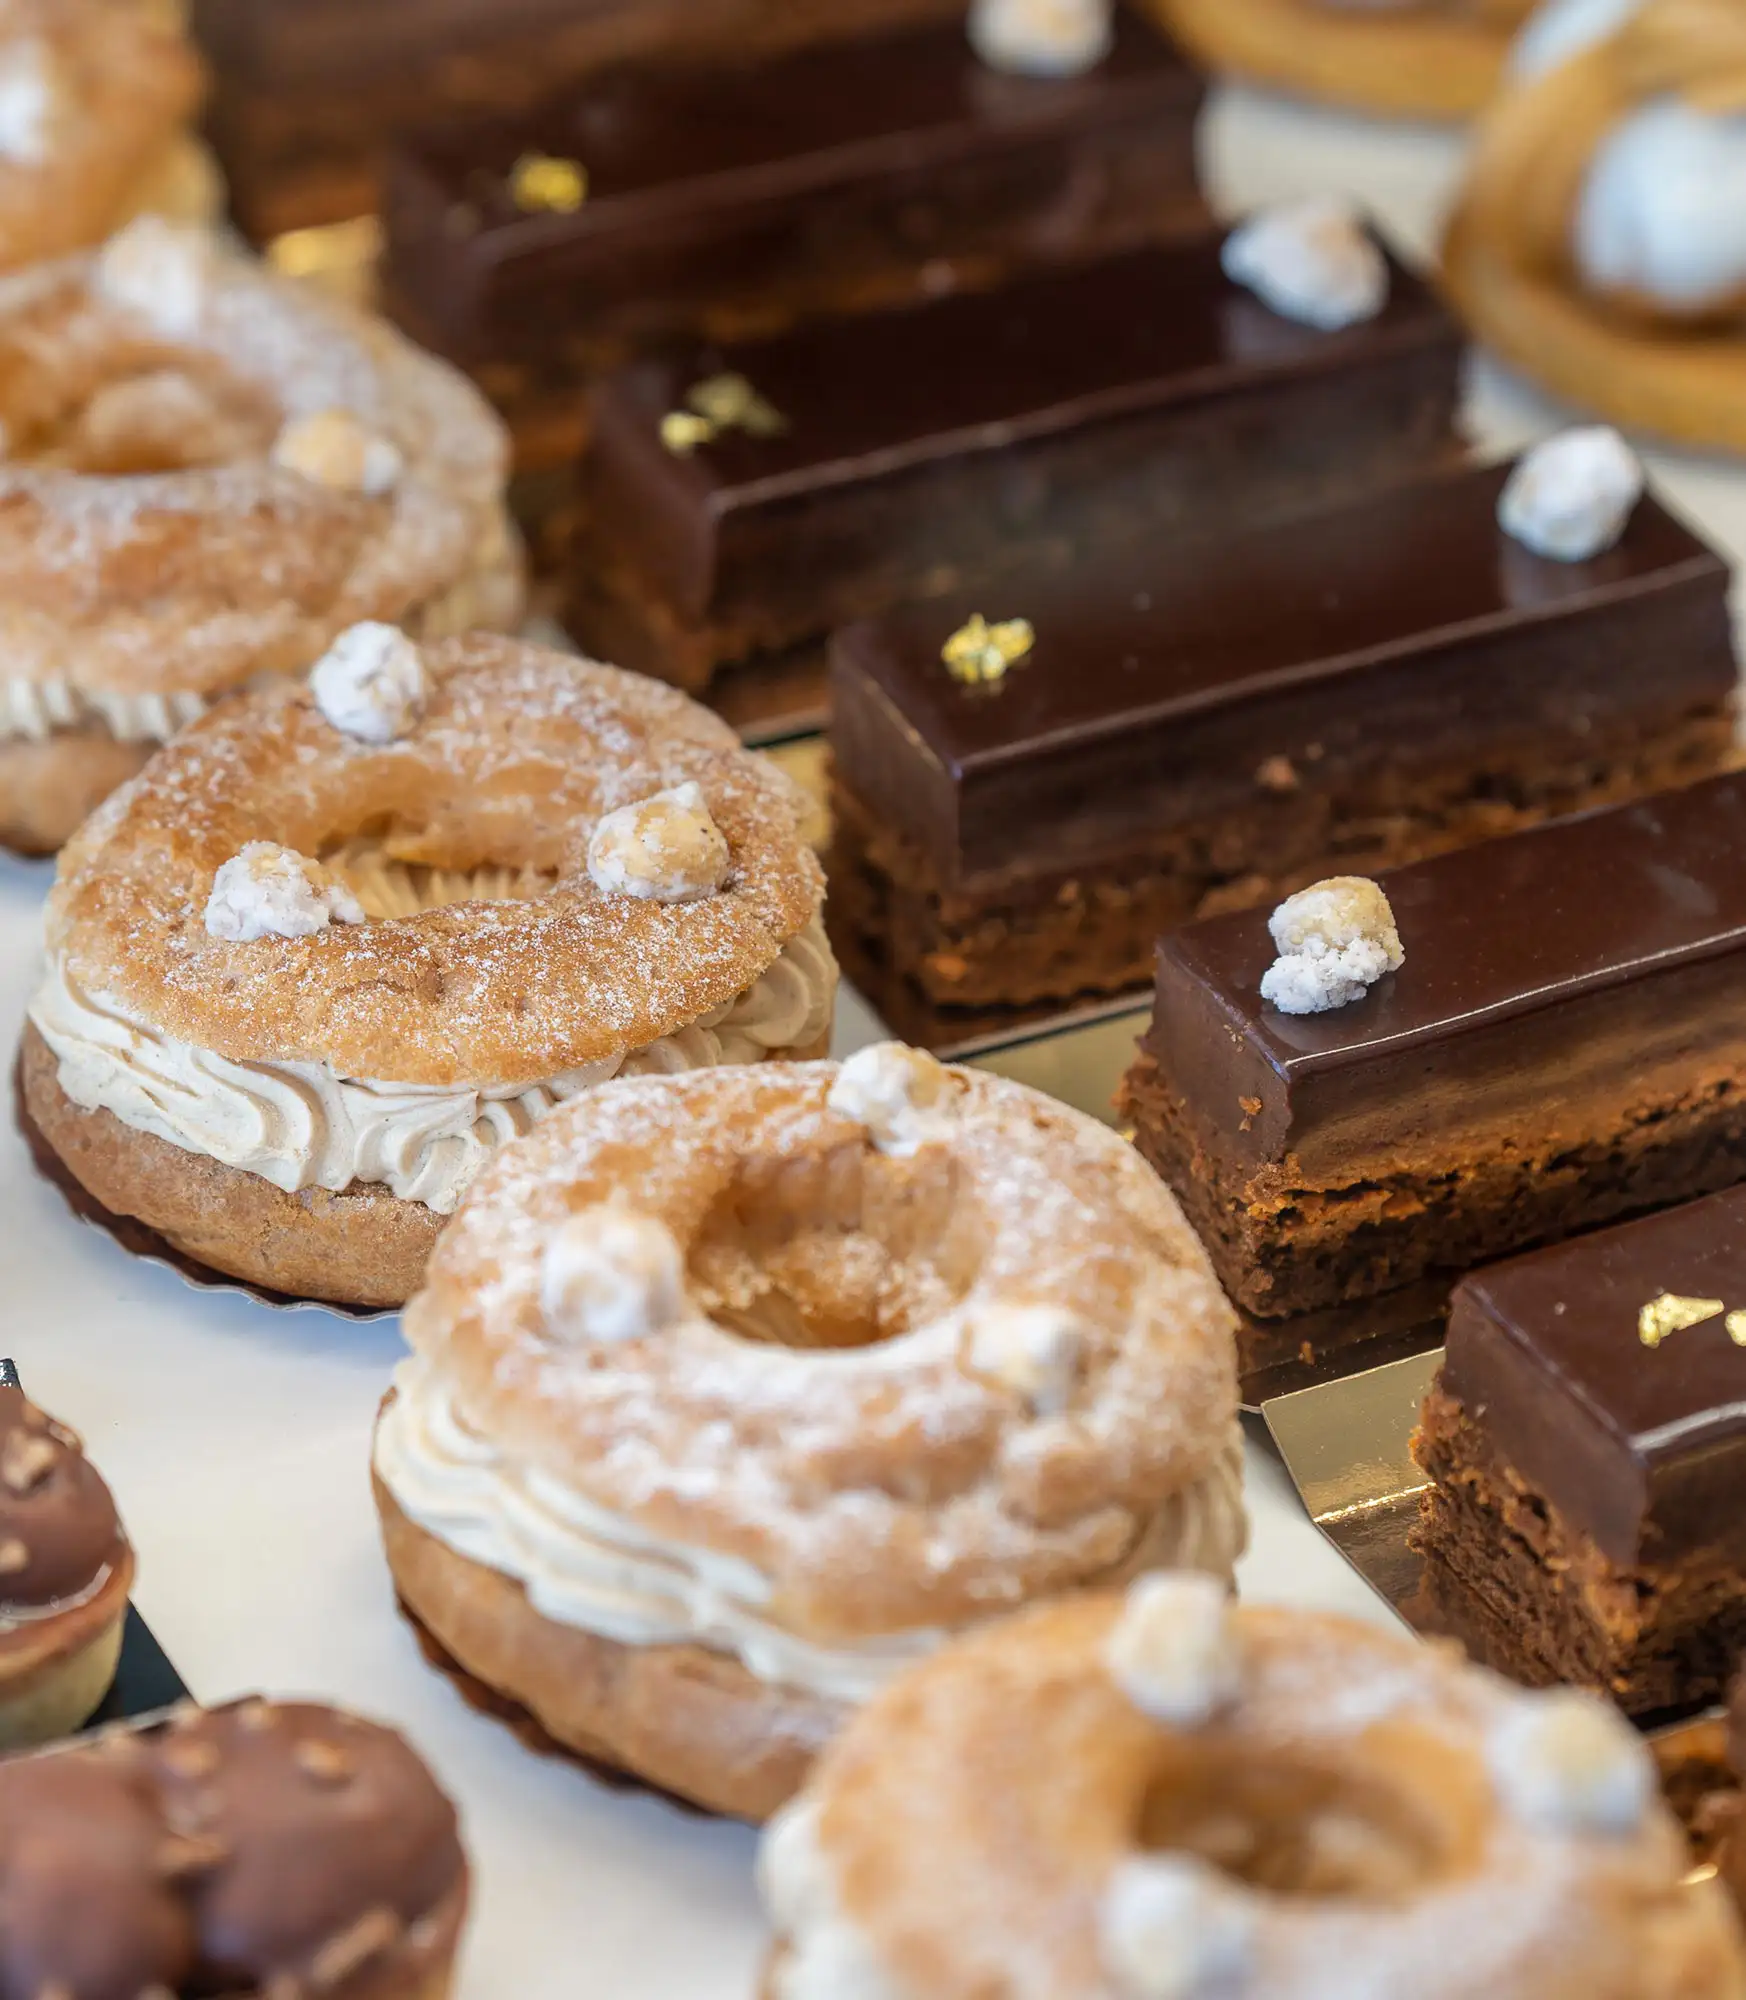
(1642, 1448)
(321, 1819)
(1398, 626)
(729, 177)
(946, 433)
(258, 1848)
(1622, 929)
(59, 1533)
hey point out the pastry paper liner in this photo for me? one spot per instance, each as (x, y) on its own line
(146, 1244)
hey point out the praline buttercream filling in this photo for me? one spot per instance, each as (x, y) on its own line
(584, 1566)
(302, 1125)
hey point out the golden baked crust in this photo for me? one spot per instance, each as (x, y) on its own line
(686, 1719)
(959, 1839)
(127, 78)
(519, 755)
(1506, 253)
(361, 1247)
(1437, 61)
(149, 540)
(48, 790)
(816, 1416)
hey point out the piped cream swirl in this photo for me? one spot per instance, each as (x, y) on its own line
(36, 710)
(301, 1125)
(587, 1567)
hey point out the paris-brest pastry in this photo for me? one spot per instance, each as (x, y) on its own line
(208, 474)
(1599, 244)
(339, 941)
(1436, 59)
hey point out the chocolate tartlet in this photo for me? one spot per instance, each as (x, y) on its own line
(1585, 1442)
(743, 501)
(261, 1850)
(1209, 728)
(65, 1571)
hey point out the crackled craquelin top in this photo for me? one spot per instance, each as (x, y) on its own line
(517, 757)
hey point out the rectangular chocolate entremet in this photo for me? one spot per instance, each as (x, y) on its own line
(708, 200)
(1561, 1048)
(1586, 1443)
(308, 91)
(1211, 726)
(743, 501)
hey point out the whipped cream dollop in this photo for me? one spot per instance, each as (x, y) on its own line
(1042, 37)
(33, 711)
(160, 273)
(583, 1565)
(299, 1125)
(1336, 939)
(371, 683)
(337, 449)
(1571, 498)
(1174, 1651)
(1662, 214)
(1312, 261)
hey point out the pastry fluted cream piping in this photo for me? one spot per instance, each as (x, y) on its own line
(300, 1125)
(584, 1566)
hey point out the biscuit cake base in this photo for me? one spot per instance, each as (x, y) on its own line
(1535, 1599)
(684, 1719)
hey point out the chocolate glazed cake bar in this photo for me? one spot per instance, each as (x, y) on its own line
(1586, 1443)
(308, 89)
(713, 200)
(1561, 1048)
(1211, 727)
(744, 501)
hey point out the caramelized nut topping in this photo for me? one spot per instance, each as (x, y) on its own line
(183, 1855)
(373, 1933)
(26, 1460)
(190, 1760)
(325, 1762)
(14, 1557)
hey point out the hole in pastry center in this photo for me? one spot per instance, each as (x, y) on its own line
(389, 885)
(835, 1251)
(1293, 1829)
(158, 413)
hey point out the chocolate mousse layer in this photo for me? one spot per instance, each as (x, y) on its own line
(1204, 727)
(1586, 1442)
(1560, 1049)
(745, 500)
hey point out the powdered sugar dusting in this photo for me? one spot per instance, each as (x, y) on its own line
(882, 1486)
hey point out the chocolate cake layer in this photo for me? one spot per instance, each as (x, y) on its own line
(1210, 725)
(742, 193)
(1560, 1049)
(309, 90)
(1587, 1443)
(904, 455)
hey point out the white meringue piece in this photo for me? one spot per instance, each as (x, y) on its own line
(1336, 939)
(268, 891)
(158, 272)
(371, 683)
(1173, 1928)
(1663, 210)
(1044, 38)
(1311, 261)
(662, 849)
(610, 1274)
(1033, 1350)
(895, 1091)
(1571, 497)
(1174, 1650)
(1568, 1762)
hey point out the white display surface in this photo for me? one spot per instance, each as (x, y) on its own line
(237, 1438)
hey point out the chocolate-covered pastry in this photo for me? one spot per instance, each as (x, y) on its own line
(1731, 1853)
(65, 1572)
(745, 194)
(743, 501)
(1212, 726)
(260, 1850)
(1559, 1048)
(1586, 1444)
(306, 90)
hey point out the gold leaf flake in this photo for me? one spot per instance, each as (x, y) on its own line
(720, 403)
(1736, 1325)
(1672, 1314)
(980, 654)
(542, 184)
(682, 432)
